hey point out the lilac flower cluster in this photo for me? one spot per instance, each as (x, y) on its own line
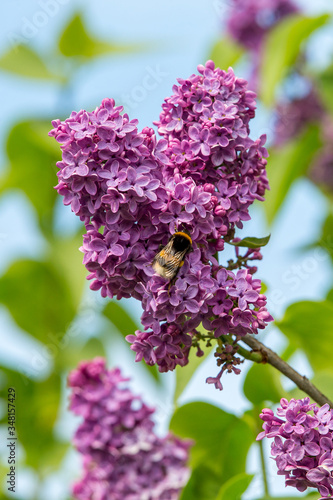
(250, 20)
(303, 443)
(123, 458)
(133, 192)
(293, 115)
(321, 171)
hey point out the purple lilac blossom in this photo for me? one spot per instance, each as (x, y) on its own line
(123, 458)
(249, 20)
(294, 115)
(292, 118)
(132, 192)
(303, 443)
(321, 171)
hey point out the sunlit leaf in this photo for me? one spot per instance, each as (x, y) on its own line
(251, 242)
(75, 41)
(221, 440)
(235, 487)
(23, 61)
(32, 167)
(309, 326)
(282, 47)
(262, 383)
(38, 298)
(226, 53)
(286, 164)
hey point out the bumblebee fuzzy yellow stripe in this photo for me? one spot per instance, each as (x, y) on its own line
(171, 258)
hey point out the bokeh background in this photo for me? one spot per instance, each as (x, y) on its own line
(57, 56)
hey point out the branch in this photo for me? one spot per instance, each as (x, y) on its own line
(273, 359)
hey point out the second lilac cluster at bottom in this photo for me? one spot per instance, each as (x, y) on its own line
(123, 458)
(303, 444)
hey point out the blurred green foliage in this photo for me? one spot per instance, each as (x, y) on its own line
(45, 297)
(302, 323)
(235, 487)
(31, 167)
(75, 41)
(221, 444)
(226, 53)
(282, 48)
(288, 163)
(23, 61)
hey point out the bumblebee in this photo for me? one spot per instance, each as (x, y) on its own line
(171, 258)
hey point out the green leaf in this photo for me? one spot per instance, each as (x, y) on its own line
(286, 164)
(37, 405)
(23, 61)
(282, 47)
(73, 354)
(324, 83)
(32, 156)
(126, 326)
(251, 242)
(185, 373)
(66, 254)
(120, 318)
(221, 440)
(309, 325)
(262, 383)
(226, 53)
(76, 42)
(235, 487)
(203, 484)
(326, 238)
(38, 299)
(329, 296)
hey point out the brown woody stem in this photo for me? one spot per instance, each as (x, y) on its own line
(269, 356)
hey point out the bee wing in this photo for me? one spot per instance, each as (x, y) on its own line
(175, 261)
(163, 256)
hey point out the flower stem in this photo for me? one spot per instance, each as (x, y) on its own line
(264, 472)
(254, 356)
(266, 355)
